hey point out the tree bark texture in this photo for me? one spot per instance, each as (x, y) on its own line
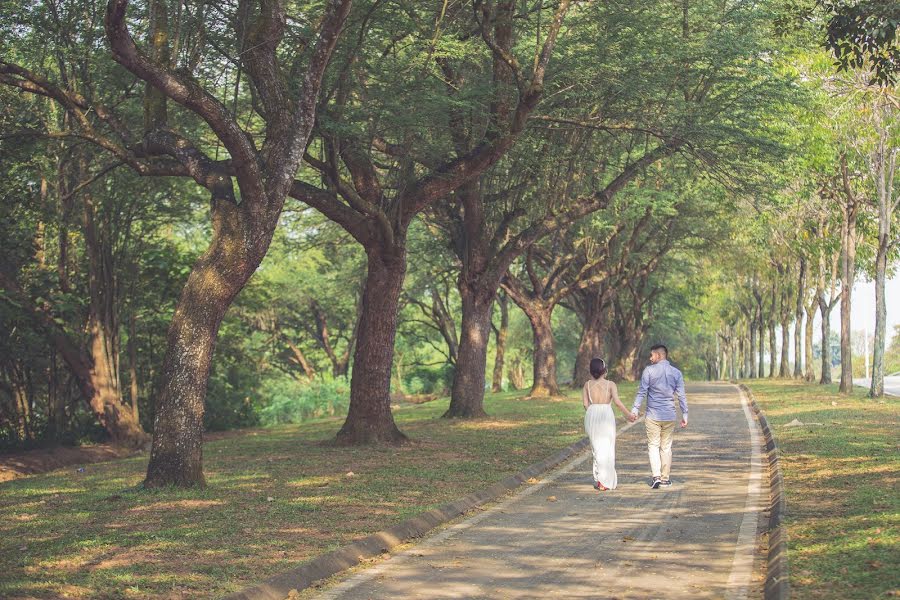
(467, 392)
(369, 419)
(500, 351)
(176, 456)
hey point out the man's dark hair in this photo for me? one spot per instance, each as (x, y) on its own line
(662, 347)
(598, 367)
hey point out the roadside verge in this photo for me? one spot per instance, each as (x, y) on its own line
(777, 585)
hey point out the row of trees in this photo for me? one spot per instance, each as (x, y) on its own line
(833, 221)
(542, 154)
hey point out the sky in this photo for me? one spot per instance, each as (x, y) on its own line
(862, 315)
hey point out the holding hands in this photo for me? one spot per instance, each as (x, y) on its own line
(632, 417)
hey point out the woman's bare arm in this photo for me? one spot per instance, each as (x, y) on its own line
(584, 395)
(615, 397)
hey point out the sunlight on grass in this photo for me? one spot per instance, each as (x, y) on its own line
(95, 533)
(841, 478)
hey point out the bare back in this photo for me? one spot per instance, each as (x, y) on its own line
(600, 391)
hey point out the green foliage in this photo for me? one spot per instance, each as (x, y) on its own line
(290, 401)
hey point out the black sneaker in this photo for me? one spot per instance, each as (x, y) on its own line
(656, 483)
(665, 482)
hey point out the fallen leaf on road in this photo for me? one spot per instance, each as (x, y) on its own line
(551, 498)
(531, 480)
(627, 538)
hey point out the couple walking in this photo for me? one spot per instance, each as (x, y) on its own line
(660, 384)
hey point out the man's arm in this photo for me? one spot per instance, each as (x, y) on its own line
(682, 398)
(642, 392)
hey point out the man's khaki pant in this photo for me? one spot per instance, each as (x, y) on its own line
(659, 446)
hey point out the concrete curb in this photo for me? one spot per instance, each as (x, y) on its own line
(777, 585)
(281, 585)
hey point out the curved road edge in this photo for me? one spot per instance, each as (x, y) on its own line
(777, 586)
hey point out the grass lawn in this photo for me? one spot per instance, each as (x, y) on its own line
(275, 498)
(841, 479)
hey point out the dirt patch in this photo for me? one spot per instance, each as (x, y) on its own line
(31, 462)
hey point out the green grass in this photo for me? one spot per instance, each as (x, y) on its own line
(97, 535)
(841, 481)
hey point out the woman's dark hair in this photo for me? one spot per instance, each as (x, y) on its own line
(598, 368)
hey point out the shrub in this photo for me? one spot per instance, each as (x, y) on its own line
(292, 401)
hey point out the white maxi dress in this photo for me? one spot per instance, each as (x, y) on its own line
(600, 427)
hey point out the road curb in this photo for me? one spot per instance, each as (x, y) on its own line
(302, 577)
(777, 585)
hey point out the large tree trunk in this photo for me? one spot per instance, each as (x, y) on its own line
(113, 416)
(467, 395)
(103, 330)
(544, 365)
(590, 345)
(176, 457)
(500, 351)
(369, 419)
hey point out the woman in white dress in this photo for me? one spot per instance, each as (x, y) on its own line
(597, 396)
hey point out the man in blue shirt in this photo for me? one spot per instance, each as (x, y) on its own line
(660, 384)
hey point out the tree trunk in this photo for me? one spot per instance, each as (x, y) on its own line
(544, 365)
(762, 349)
(589, 346)
(499, 354)
(825, 310)
(884, 173)
(745, 356)
(57, 399)
(784, 369)
(798, 322)
(516, 374)
(300, 359)
(103, 330)
(876, 387)
(467, 394)
(848, 275)
(751, 354)
(132, 368)
(808, 374)
(176, 457)
(735, 357)
(369, 419)
(773, 349)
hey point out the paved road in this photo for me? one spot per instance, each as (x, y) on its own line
(891, 385)
(559, 538)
